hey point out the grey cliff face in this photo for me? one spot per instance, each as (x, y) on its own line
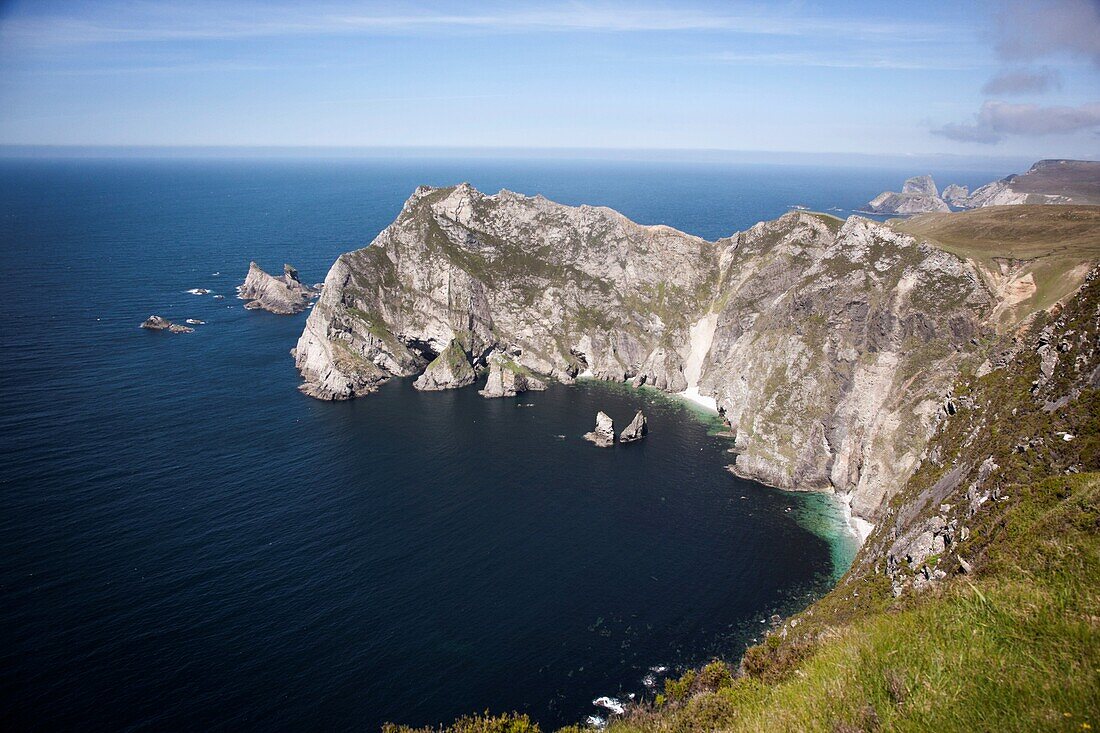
(828, 345)
(636, 430)
(956, 195)
(507, 379)
(920, 185)
(284, 296)
(604, 433)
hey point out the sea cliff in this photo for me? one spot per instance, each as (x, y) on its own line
(830, 346)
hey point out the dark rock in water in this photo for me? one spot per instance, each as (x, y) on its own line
(285, 296)
(156, 323)
(160, 323)
(604, 434)
(636, 430)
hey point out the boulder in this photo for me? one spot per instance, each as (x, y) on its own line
(636, 430)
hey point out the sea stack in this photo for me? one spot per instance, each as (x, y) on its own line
(604, 434)
(636, 430)
(284, 296)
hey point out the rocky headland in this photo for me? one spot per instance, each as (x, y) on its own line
(284, 295)
(940, 373)
(829, 346)
(1048, 182)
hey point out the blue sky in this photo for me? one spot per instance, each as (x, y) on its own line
(1007, 78)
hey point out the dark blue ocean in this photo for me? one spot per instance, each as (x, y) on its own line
(188, 543)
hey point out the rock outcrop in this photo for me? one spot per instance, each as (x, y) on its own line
(956, 195)
(507, 378)
(284, 296)
(604, 433)
(450, 370)
(828, 345)
(918, 195)
(636, 430)
(160, 323)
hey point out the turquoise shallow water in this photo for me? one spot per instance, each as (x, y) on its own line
(187, 542)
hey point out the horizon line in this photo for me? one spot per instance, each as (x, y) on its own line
(198, 150)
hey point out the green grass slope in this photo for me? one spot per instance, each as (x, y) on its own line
(1034, 256)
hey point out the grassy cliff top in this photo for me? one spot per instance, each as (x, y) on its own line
(1031, 256)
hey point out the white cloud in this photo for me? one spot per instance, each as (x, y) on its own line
(996, 120)
(1023, 81)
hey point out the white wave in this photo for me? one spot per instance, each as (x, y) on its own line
(611, 704)
(859, 526)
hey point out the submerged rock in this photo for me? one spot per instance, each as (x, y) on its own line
(636, 430)
(604, 434)
(284, 296)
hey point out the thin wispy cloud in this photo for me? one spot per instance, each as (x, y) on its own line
(837, 61)
(166, 22)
